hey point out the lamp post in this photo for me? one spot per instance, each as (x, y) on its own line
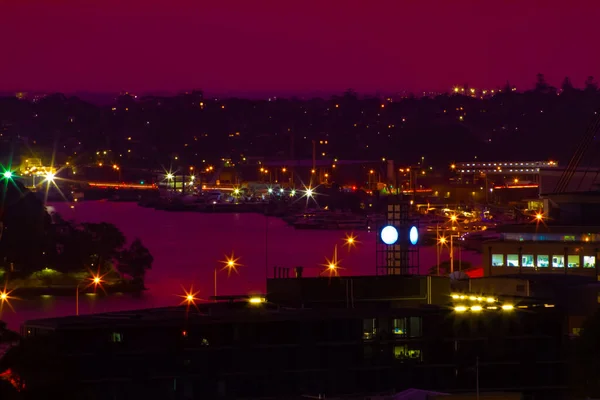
(440, 242)
(453, 219)
(96, 280)
(332, 265)
(452, 254)
(230, 265)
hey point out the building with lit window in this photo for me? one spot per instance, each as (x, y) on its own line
(563, 240)
(240, 349)
(547, 249)
(503, 167)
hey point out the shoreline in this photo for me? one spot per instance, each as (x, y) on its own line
(70, 291)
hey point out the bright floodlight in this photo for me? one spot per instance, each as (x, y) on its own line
(97, 280)
(389, 235)
(3, 296)
(281, 190)
(49, 176)
(309, 192)
(169, 176)
(8, 174)
(270, 190)
(538, 216)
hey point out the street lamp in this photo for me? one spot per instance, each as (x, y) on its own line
(189, 298)
(5, 297)
(95, 280)
(453, 219)
(350, 240)
(49, 177)
(441, 241)
(231, 264)
(332, 266)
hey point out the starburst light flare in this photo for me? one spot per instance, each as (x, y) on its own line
(231, 264)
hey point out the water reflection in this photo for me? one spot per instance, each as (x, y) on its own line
(188, 246)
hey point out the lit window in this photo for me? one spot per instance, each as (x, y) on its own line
(116, 337)
(589, 261)
(406, 353)
(573, 261)
(527, 260)
(369, 328)
(497, 260)
(512, 260)
(558, 261)
(399, 326)
(542, 261)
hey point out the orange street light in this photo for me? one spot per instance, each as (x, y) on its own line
(350, 240)
(95, 280)
(5, 297)
(231, 264)
(332, 265)
(189, 298)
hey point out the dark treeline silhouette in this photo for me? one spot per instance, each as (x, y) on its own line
(35, 244)
(188, 128)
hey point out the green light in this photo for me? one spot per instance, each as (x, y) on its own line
(8, 175)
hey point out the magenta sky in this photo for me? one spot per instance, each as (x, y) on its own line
(293, 45)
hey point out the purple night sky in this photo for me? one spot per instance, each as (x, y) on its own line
(293, 46)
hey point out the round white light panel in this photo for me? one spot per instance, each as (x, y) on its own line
(389, 235)
(413, 235)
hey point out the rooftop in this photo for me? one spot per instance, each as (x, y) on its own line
(549, 227)
(202, 313)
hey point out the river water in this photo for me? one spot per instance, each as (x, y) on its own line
(187, 246)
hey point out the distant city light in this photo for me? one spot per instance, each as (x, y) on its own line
(49, 177)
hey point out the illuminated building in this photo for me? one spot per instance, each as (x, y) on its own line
(503, 167)
(562, 239)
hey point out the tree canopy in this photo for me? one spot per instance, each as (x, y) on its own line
(33, 240)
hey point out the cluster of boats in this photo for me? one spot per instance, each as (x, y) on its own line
(331, 220)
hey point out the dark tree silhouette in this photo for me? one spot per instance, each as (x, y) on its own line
(135, 261)
(104, 242)
(541, 86)
(25, 246)
(591, 85)
(566, 85)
